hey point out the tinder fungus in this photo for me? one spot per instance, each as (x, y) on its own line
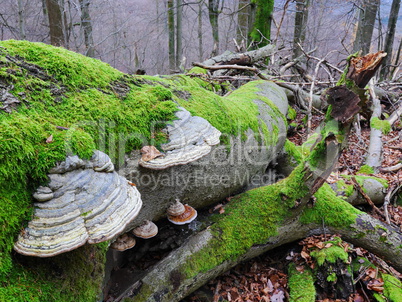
(146, 230)
(123, 242)
(89, 203)
(181, 214)
(190, 138)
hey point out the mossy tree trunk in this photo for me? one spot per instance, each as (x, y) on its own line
(267, 217)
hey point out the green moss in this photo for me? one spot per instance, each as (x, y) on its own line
(232, 115)
(326, 204)
(291, 113)
(392, 288)
(361, 178)
(343, 187)
(59, 88)
(330, 254)
(382, 125)
(197, 70)
(71, 104)
(301, 285)
(365, 169)
(294, 151)
(250, 218)
(74, 276)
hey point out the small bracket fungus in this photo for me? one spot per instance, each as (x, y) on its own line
(186, 216)
(146, 230)
(123, 242)
(87, 206)
(190, 138)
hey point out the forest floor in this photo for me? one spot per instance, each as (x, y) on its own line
(265, 278)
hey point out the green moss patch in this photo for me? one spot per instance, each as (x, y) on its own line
(249, 219)
(382, 125)
(301, 285)
(326, 205)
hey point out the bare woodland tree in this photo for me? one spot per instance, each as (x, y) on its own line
(365, 27)
(87, 28)
(56, 23)
(301, 18)
(214, 7)
(389, 39)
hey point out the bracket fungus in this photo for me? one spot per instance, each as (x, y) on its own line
(123, 242)
(180, 214)
(90, 203)
(146, 230)
(190, 138)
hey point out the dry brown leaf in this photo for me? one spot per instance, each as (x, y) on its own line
(49, 139)
(149, 153)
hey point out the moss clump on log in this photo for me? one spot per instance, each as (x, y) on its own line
(301, 284)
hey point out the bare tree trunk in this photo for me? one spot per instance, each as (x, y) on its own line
(365, 26)
(56, 24)
(200, 48)
(179, 28)
(213, 11)
(243, 24)
(171, 29)
(21, 20)
(87, 27)
(389, 39)
(301, 18)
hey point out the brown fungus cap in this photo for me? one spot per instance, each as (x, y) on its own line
(176, 208)
(123, 242)
(189, 215)
(147, 230)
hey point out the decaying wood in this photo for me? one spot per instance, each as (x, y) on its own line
(166, 281)
(246, 58)
(362, 69)
(374, 153)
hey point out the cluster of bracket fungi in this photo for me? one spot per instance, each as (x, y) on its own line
(86, 201)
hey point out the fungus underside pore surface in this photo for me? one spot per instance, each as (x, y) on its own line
(75, 104)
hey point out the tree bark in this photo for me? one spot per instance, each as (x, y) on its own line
(56, 24)
(87, 28)
(213, 12)
(301, 18)
(389, 38)
(21, 20)
(365, 27)
(179, 29)
(171, 29)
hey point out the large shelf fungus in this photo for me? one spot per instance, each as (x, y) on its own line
(190, 138)
(89, 202)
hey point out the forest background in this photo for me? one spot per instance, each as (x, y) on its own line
(166, 36)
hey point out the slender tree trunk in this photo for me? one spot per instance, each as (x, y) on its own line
(243, 27)
(365, 26)
(87, 27)
(213, 11)
(21, 20)
(200, 48)
(56, 24)
(171, 29)
(389, 38)
(179, 29)
(301, 18)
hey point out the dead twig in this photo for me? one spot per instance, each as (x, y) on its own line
(365, 196)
